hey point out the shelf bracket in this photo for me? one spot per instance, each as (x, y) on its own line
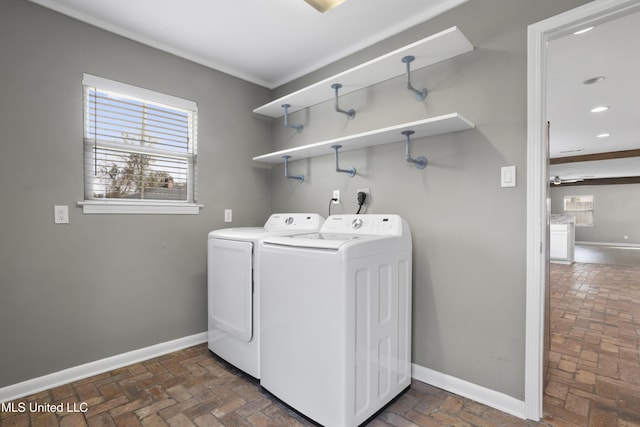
(421, 94)
(286, 170)
(421, 161)
(350, 113)
(286, 119)
(351, 171)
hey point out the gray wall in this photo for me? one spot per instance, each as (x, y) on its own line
(105, 284)
(468, 232)
(616, 212)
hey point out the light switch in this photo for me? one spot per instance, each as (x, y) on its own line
(508, 176)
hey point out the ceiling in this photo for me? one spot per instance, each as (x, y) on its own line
(609, 50)
(265, 42)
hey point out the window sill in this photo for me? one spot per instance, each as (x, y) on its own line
(144, 208)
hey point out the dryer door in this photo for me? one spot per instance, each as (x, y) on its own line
(230, 289)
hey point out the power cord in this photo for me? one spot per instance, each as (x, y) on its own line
(362, 196)
(333, 199)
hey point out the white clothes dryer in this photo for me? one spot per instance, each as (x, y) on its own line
(233, 287)
(336, 317)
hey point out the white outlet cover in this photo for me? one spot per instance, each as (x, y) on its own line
(61, 214)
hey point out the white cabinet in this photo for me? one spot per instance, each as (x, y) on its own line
(562, 239)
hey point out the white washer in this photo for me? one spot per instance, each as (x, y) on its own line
(336, 317)
(233, 288)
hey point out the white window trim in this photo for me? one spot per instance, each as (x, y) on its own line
(137, 92)
(122, 207)
(138, 207)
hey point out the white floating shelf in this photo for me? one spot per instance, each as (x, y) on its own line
(438, 47)
(452, 122)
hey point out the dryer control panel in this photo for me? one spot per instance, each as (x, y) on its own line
(293, 221)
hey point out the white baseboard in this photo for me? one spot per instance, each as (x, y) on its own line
(620, 245)
(75, 373)
(469, 390)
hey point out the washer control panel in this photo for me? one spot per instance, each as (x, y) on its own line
(372, 224)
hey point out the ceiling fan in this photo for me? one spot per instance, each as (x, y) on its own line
(557, 180)
(324, 5)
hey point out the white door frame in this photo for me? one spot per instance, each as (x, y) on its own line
(539, 34)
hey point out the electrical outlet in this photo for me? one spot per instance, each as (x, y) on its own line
(336, 195)
(61, 214)
(228, 215)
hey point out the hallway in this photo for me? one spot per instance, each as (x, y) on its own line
(594, 365)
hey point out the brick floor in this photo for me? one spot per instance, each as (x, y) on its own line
(594, 364)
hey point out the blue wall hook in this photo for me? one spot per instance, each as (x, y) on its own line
(351, 171)
(286, 119)
(286, 170)
(351, 113)
(420, 162)
(421, 94)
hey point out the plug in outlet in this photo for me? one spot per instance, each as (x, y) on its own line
(366, 191)
(61, 214)
(336, 196)
(228, 215)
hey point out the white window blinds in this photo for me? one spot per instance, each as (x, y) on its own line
(139, 145)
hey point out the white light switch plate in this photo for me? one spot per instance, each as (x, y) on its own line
(508, 176)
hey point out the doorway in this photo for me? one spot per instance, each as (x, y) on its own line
(538, 209)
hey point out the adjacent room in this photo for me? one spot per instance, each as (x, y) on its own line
(594, 246)
(154, 154)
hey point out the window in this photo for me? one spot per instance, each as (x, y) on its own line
(139, 150)
(581, 207)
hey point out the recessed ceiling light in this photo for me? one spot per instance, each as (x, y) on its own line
(599, 109)
(584, 30)
(593, 80)
(603, 135)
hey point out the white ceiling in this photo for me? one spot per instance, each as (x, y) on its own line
(265, 42)
(610, 50)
